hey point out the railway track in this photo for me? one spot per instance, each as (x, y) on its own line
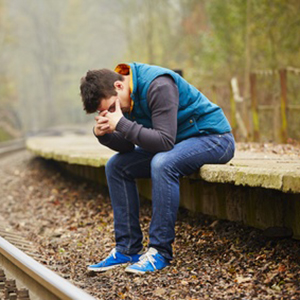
(11, 146)
(36, 281)
(18, 260)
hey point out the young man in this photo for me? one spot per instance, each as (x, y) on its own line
(163, 129)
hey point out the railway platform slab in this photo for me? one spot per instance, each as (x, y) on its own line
(258, 189)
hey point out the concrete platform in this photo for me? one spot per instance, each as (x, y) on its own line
(261, 190)
(248, 169)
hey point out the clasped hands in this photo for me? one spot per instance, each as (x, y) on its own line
(106, 122)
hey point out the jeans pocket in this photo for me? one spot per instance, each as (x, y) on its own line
(215, 139)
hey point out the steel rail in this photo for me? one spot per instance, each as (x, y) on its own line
(42, 282)
(11, 146)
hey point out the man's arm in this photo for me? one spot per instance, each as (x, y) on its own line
(109, 138)
(163, 100)
(116, 142)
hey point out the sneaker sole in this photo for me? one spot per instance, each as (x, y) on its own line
(103, 269)
(133, 271)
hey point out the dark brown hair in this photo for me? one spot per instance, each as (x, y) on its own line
(96, 86)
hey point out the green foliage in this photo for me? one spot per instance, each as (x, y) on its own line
(275, 32)
(46, 46)
(228, 24)
(274, 27)
(210, 40)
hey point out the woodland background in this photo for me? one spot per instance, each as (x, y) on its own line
(47, 46)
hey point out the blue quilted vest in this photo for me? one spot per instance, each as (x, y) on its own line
(196, 114)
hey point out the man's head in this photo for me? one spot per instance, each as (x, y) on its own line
(100, 89)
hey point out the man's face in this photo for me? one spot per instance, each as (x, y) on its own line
(108, 104)
(122, 90)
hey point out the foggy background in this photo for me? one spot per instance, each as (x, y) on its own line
(46, 46)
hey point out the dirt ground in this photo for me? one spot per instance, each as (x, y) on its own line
(71, 223)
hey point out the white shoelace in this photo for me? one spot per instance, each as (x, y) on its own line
(113, 253)
(148, 256)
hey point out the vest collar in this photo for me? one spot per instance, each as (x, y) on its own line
(126, 69)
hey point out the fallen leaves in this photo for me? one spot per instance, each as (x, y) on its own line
(71, 222)
(241, 279)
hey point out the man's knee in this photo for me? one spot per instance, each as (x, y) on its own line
(160, 163)
(112, 164)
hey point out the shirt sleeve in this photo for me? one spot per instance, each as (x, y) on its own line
(163, 100)
(116, 142)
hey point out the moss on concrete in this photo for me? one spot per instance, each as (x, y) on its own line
(291, 182)
(86, 151)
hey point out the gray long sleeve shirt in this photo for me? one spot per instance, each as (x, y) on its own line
(163, 101)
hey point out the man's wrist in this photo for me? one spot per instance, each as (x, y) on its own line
(98, 135)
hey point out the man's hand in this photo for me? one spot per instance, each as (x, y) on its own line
(102, 126)
(114, 117)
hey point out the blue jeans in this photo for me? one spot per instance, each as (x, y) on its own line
(165, 169)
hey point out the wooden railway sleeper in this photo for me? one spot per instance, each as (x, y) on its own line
(9, 290)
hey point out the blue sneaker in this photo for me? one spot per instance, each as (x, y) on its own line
(149, 262)
(113, 260)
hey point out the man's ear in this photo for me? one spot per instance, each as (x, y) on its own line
(119, 85)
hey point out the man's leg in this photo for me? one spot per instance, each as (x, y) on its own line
(121, 171)
(166, 169)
